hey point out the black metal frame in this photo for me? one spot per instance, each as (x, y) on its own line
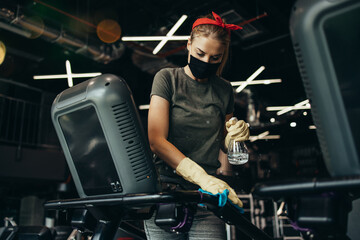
(321, 205)
(109, 210)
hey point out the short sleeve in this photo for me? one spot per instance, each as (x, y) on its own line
(162, 85)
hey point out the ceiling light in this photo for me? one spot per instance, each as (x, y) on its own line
(278, 108)
(69, 75)
(293, 124)
(177, 25)
(263, 136)
(170, 33)
(300, 104)
(260, 136)
(108, 31)
(60, 76)
(252, 77)
(312, 127)
(272, 120)
(154, 38)
(144, 107)
(2, 52)
(271, 137)
(305, 113)
(281, 209)
(255, 82)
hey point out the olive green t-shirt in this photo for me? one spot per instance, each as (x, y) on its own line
(197, 113)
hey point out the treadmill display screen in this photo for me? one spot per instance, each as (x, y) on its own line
(90, 152)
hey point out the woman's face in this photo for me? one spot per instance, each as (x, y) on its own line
(206, 49)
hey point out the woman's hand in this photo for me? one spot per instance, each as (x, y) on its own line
(237, 130)
(193, 173)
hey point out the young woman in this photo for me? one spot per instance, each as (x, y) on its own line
(186, 123)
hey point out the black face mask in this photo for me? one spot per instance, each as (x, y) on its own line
(202, 69)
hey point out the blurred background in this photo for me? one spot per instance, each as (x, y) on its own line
(39, 36)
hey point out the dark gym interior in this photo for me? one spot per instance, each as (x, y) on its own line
(304, 164)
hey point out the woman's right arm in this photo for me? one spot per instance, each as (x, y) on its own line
(158, 129)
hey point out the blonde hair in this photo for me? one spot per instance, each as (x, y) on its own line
(215, 32)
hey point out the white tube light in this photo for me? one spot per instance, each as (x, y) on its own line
(285, 110)
(260, 136)
(68, 73)
(312, 127)
(154, 38)
(2, 52)
(159, 46)
(61, 76)
(252, 77)
(177, 25)
(268, 137)
(281, 209)
(255, 82)
(271, 137)
(144, 107)
(279, 108)
(169, 34)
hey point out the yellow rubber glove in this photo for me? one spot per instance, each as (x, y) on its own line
(237, 130)
(193, 173)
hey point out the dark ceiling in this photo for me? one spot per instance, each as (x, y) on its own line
(265, 41)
